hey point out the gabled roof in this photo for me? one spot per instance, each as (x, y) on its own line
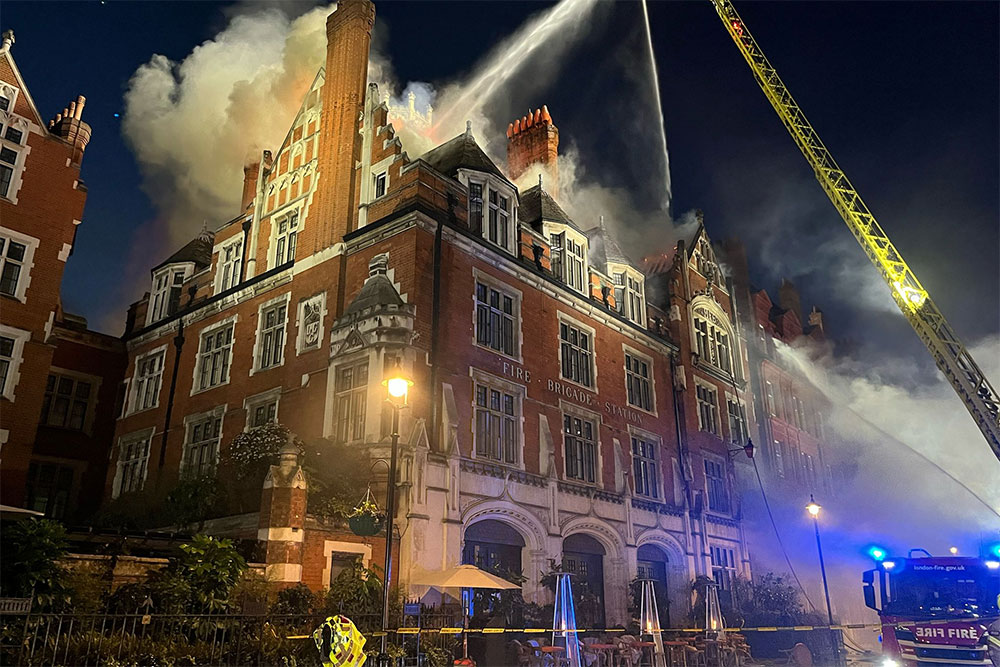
(198, 250)
(6, 51)
(462, 152)
(378, 290)
(537, 205)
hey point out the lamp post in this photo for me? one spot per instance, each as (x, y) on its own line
(813, 508)
(397, 387)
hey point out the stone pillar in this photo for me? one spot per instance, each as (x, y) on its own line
(282, 517)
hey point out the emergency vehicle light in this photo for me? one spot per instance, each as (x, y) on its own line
(993, 564)
(877, 553)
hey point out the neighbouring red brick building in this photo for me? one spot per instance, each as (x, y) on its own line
(57, 379)
(565, 406)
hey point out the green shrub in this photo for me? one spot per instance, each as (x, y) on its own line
(29, 563)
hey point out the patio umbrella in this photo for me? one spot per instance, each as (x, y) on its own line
(463, 576)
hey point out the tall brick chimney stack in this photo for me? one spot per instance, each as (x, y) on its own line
(69, 126)
(348, 38)
(534, 139)
(788, 298)
(251, 176)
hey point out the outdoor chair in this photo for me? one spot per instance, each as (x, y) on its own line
(628, 654)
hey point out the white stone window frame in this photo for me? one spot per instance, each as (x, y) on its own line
(578, 237)
(331, 547)
(95, 387)
(575, 410)
(220, 250)
(520, 394)
(20, 337)
(187, 268)
(564, 318)
(718, 410)
(218, 412)
(727, 328)
(732, 551)
(255, 367)
(631, 351)
(627, 291)
(251, 403)
(649, 436)
(374, 394)
(277, 218)
(10, 119)
(132, 394)
(382, 176)
(723, 462)
(502, 188)
(745, 418)
(211, 328)
(479, 276)
(135, 436)
(27, 263)
(300, 323)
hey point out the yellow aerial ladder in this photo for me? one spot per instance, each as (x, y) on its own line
(948, 351)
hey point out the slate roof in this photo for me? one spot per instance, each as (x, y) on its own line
(535, 205)
(604, 248)
(462, 152)
(198, 250)
(378, 290)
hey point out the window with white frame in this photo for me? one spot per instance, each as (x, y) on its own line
(476, 207)
(638, 383)
(708, 409)
(165, 299)
(214, 356)
(580, 448)
(264, 412)
(629, 296)
(576, 354)
(646, 467)
(230, 265)
(285, 238)
(737, 421)
(148, 380)
(15, 256)
(723, 566)
(772, 404)
(778, 452)
(381, 180)
(713, 342)
(569, 257)
(497, 312)
(133, 458)
(499, 228)
(715, 481)
(350, 401)
(66, 402)
(13, 131)
(11, 348)
(498, 424)
(201, 448)
(271, 334)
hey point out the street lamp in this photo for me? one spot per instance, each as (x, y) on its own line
(397, 386)
(813, 508)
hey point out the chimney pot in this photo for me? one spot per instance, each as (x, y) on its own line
(545, 114)
(510, 130)
(72, 109)
(517, 126)
(80, 101)
(538, 117)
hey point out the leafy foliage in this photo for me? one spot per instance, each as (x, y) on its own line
(210, 567)
(768, 600)
(29, 564)
(298, 599)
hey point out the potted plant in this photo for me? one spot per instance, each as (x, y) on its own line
(366, 519)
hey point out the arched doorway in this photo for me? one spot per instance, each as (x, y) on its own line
(493, 546)
(652, 564)
(583, 558)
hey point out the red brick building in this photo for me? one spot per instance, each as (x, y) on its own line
(58, 381)
(558, 411)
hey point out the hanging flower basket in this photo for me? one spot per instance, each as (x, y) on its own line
(366, 519)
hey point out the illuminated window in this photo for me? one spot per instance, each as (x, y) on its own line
(498, 424)
(351, 401)
(580, 449)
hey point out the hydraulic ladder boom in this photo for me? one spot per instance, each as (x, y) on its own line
(949, 353)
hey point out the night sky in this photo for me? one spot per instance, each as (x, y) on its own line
(905, 95)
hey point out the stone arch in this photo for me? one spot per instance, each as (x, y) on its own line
(527, 524)
(678, 575)
(598, 529)
(665, 541)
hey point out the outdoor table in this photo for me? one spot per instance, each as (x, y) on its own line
(645, 645)
(605, 651)
(673, 649)
(552, 651)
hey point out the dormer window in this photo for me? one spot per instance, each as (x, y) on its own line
(629, 290)
(165, 297)
(499, 231)
(569, 256)
(476, 207)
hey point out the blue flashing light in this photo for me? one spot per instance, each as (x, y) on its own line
(995, 550)
(888, 565)
(877, 553)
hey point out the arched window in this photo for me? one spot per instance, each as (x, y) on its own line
(713, 337)
(493, 546)
(583, 557)
(652, 564)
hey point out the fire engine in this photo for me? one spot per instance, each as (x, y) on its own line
(934, 610)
